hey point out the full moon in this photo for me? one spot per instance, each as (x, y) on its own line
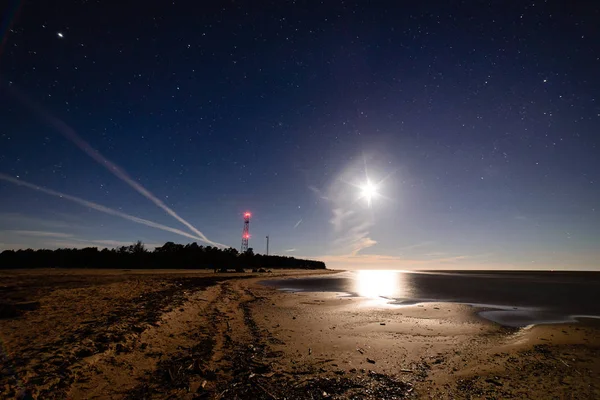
(368, 191)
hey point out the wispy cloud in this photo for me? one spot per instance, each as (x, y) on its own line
(416, 245)
(318, 192)
(374, 261)
(83, 243)
(340, 216)
(120, 173)
(17, 219)
(100, 208)
(70, 243)
(14, 246)
(484, 261)
(14, 240)
(361, 244)
(38, 233)
(351, 220)
(107, 242)
(289, 250)
(435, 254)
(298, 223)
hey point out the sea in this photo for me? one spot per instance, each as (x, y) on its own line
(510, 298)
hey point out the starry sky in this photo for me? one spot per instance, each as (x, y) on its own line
(476, 125)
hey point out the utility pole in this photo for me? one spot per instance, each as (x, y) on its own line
(267, 245)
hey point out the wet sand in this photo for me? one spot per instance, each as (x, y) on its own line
(186, 334)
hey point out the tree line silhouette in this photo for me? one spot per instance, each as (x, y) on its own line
(136, 256)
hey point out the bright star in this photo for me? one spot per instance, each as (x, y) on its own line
(60, 35)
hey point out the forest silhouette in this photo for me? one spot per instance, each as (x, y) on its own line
(137, 256)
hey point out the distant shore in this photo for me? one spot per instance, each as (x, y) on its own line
(191, 334)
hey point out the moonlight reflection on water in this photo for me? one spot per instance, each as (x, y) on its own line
(380, 283)
(511, 298)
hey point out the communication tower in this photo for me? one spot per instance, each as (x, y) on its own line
(246, 232)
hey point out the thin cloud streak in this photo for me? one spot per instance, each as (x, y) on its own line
(417, 245)
(83, 243)
(298, 223)
(38, 233)
(14, 246)
(100, 208)
(351, 227)
(352, 223)
(318, 192)
(374, 261)
(25, 220)
(484, 261)
(70, 134)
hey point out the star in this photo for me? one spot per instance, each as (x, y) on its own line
(60, 35)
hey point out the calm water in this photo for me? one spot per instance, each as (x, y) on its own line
(516, 298)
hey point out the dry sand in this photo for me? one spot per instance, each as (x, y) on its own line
(185, 334)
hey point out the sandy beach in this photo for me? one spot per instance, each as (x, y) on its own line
(192, 335)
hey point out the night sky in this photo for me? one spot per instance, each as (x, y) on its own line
(477, 125)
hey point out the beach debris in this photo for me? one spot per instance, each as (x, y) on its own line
(309, 351)
(438, 360)
(494, 381)
(360, 350)
(195, 387)
(382, 323)
(370, 360)
(410, 371)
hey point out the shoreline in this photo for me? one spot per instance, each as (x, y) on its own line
(448, 349)
(506, 311)
(203, 335)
